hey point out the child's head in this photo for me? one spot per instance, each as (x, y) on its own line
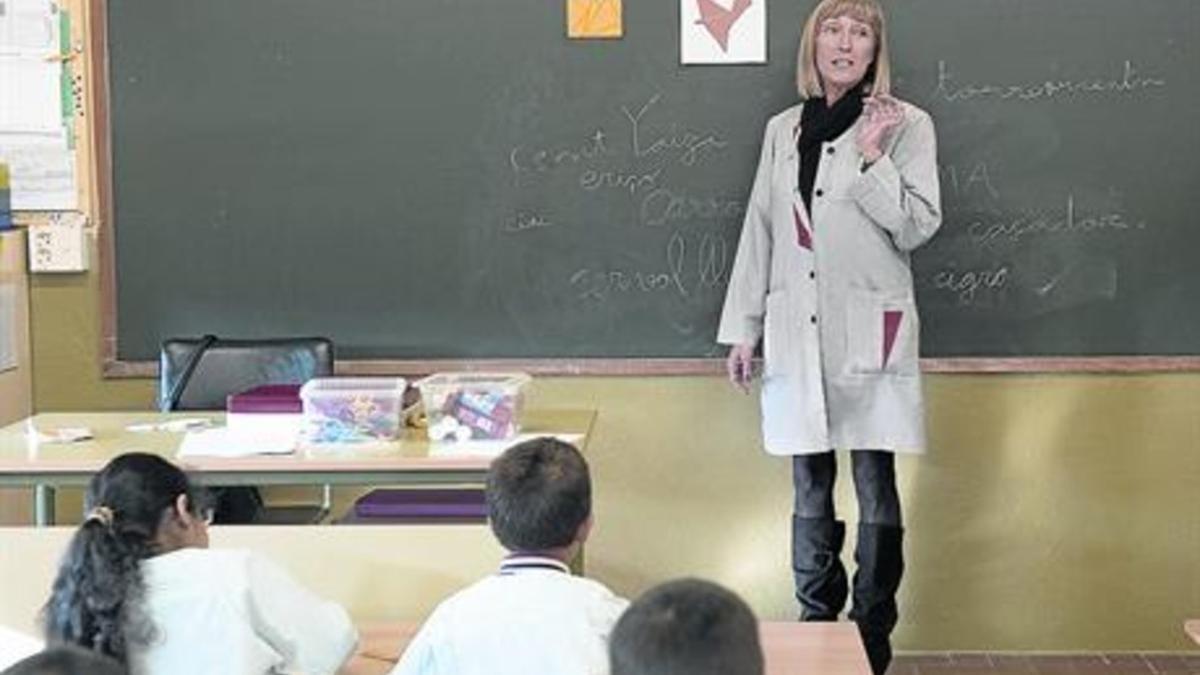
(539, 496)
(686, 627)
(137, 506)
(66, 660)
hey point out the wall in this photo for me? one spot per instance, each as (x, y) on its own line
(16, 393)
(1051, 513)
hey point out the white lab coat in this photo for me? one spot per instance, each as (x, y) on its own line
(518, 622)
(220, 612)
(831, 295)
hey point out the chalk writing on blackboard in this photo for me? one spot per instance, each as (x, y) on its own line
(525, 220)
(967, 283)
(694, 146)
(1129, 81)
(591, 179)
(967, 181)
(1070, 221)
(524, 159)
(664, 206)
(690, 263)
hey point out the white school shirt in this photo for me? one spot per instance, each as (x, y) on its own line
(16, 646)
(531, 618)
(234, 612)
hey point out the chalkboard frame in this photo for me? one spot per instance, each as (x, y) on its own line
(113, 367)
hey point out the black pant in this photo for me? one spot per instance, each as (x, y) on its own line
(817, 536)
(874, 482)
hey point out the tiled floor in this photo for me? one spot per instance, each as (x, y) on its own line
(1014, 663)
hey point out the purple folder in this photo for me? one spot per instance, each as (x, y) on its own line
(422, 503)
(266, 398)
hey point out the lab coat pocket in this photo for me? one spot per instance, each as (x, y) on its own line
(882, 332)
(775, 333)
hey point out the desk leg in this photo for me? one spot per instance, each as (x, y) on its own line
(326, 501)
(43, 505)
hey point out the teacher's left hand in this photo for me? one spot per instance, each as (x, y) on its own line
(883, 113)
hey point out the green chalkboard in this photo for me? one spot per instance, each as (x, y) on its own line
(456, 179)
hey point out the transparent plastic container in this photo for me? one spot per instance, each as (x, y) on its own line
(353, 409)
(473, 406)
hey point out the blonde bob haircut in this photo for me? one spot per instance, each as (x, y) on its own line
(879, 75)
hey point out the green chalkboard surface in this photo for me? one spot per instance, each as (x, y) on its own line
(456, 179)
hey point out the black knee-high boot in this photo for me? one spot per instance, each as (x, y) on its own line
(817, 567)
(880, 559)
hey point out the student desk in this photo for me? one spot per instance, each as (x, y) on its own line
(412, 460)
(789, 647)
(389, 577)
(796, 647)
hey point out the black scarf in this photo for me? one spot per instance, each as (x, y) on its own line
(821, 124)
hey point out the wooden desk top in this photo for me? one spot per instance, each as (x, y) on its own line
(830, 648)
(23, 456)
(789, 647)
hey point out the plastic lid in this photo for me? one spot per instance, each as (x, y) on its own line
(374, 385)
(470, 378)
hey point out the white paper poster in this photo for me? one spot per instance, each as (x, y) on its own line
(41, 174)
(8, 326)
(723, 31)
(30, 76)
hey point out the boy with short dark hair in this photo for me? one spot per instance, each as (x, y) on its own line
(533, 616)
(63, 659)
(686, 627)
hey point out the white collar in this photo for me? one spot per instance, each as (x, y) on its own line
(517, 563)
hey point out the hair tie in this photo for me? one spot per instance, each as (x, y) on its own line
(100, 514)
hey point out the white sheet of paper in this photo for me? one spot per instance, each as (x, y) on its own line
(221, 442)
(722, 31)
(30, 85)
(28, 26)
(30, 95)
(8, 326)
(490, 448)
(41, 172)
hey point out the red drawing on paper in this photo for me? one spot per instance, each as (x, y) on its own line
(717, 20)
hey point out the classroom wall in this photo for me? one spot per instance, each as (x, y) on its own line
(16, 392)
(1052, 512)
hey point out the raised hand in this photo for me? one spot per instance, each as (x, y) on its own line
(883, 113)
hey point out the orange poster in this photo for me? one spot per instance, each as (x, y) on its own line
(594, 19)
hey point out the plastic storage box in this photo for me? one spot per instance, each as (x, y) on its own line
(473, 406)
(268, 409)
(352, 409)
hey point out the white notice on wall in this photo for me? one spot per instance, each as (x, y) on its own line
(8, 326)
(30, 76)
(41, 175)
(33, 136)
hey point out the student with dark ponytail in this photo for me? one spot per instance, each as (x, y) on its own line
(139, 584)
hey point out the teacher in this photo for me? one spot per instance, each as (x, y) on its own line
(847, 186)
